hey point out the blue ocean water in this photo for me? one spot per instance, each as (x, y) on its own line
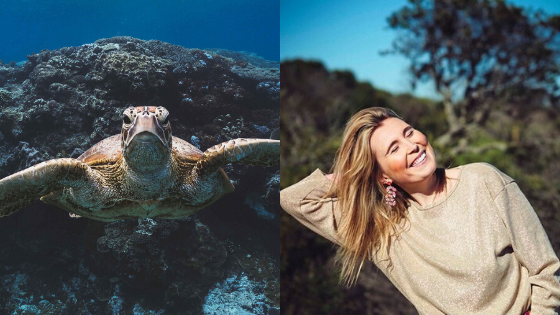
(28, 26)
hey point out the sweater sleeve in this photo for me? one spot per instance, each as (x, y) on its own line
(304, 201)
(532, 248)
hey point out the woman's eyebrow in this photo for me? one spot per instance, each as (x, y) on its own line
(405, 131)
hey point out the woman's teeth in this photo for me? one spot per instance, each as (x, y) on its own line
(420, 159)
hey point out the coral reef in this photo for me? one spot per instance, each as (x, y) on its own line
(237, 295)
(61, 102)
(81, 91)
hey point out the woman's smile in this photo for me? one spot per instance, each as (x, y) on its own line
(420, 160)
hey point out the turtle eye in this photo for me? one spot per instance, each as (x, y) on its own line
(165, 120)
(126, 120)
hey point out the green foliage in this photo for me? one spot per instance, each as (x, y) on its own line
(317, 152)
(496, 157)
(308, 285)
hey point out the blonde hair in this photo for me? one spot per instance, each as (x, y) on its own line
(367, 223)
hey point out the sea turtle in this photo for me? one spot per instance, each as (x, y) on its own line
(144, 172)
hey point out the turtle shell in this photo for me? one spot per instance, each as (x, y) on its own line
(200, 193)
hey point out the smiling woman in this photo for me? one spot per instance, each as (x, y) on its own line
(462, 240)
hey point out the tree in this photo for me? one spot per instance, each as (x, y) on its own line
(479, 54)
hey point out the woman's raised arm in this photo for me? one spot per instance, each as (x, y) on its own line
(305, 201)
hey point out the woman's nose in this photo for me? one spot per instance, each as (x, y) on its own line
(412, 147)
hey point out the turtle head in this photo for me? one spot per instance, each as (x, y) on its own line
(146, 137)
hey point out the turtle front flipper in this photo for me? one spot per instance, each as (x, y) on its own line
(263, 152)
(27, 186)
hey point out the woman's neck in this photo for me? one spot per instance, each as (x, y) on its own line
(425, 192)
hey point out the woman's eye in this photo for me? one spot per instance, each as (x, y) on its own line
(394, 149)
(410, 133)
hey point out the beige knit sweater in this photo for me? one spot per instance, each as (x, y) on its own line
(481, 250)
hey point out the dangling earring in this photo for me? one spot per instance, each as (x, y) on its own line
(391, 193)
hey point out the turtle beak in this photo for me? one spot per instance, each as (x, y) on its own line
(144, 129)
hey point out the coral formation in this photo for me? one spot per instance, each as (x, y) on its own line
(237, 295)
(61, 102)
(92, 83)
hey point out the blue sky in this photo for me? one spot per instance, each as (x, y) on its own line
(350, 34)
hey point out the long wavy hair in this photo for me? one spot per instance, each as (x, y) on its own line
(367, 223)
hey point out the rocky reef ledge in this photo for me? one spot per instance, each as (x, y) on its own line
(223, 259)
